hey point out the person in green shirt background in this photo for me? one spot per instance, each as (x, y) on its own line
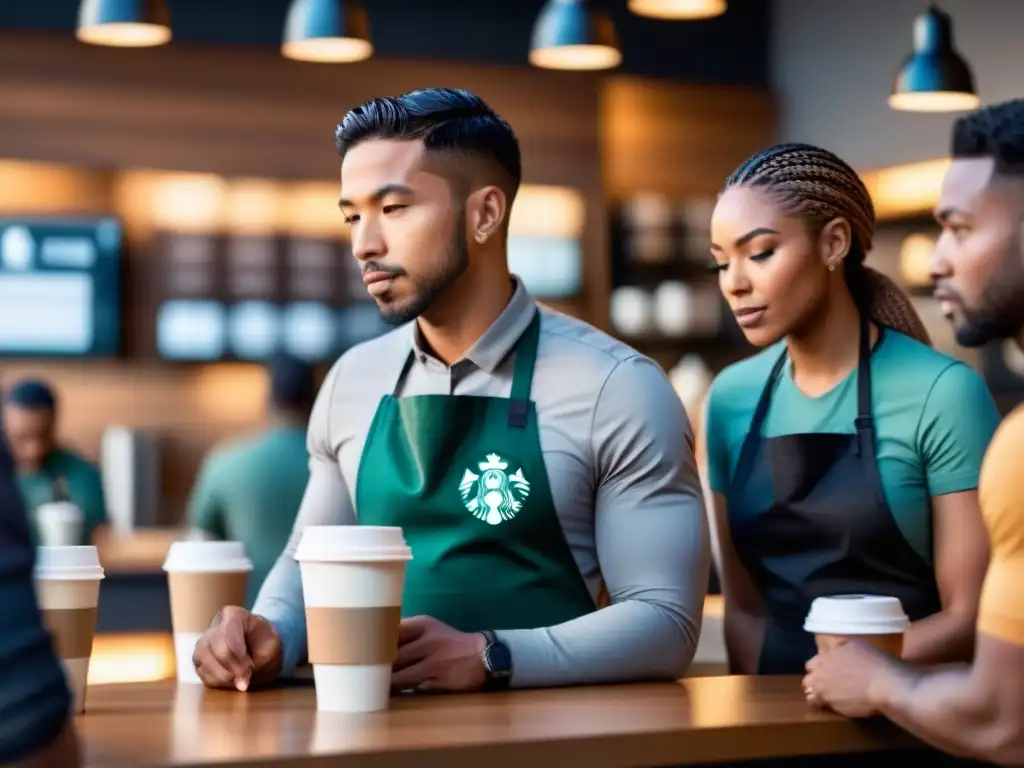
(45, 469)
(250, 489)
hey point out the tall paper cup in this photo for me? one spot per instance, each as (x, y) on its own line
(67, 581)
(202, 577)
(352, 581)
(876, 619)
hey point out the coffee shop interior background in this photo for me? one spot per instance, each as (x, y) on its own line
(169, 212)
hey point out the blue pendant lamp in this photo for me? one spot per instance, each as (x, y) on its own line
(124, 23)
(568, 34)
(934, 78)
(333, 31)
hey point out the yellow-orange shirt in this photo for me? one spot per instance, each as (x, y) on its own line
(1001, 493)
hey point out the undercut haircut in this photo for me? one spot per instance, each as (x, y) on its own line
(449, 121)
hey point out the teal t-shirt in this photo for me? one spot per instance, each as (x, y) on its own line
(83, 483)
(250, 491)
(934, 417)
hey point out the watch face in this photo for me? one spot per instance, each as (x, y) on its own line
(499, 660)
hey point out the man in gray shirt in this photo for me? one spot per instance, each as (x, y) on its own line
(530, 459)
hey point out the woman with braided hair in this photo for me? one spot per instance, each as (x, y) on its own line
(844, 457)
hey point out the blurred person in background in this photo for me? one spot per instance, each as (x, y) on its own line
(590, 446)
(46, 471)
(978, 269)
(250, 490)
(36, 726)
(844, 458)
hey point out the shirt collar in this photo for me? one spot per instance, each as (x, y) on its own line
(500, 338)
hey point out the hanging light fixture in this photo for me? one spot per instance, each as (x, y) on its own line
(327, 31)
(124, 23)
(689, 10)
(934, 78)
(570, 35)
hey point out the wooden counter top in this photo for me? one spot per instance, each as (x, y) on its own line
(698, 720)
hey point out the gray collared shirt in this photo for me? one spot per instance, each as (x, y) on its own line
(618, 449)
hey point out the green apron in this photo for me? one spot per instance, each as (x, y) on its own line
(464, 478)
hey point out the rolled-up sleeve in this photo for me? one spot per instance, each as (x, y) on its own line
(652, 545)
(326, 501)
(35, 702)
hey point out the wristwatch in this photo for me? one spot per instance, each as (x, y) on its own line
(497, 659)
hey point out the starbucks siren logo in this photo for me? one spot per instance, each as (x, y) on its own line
(493, 495)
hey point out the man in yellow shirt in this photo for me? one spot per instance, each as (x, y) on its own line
(978, 267)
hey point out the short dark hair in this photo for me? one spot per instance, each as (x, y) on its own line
(292, 384)
(446, 119)
(32, 394)
(996, 131)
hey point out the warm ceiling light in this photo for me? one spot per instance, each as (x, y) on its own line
(569, 35)
(906, 190)
(327, 31)
(678, 9)
(916, 259)
(934, 78)
(124, 23)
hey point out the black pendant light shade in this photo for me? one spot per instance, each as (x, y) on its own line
(570, 35)
(934, 78)
(124, 23)
(327, 31)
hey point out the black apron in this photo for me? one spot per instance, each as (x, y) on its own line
(828, 531)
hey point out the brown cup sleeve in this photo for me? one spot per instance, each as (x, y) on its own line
(353, 635)
(197, 597)
(72, 630)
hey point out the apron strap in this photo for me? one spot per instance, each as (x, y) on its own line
(748, 451)
(522, 376)
(865, 423)
(406, 367)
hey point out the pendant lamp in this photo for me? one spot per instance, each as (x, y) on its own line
(327, 31)
(934, 78)
(690, 10)
(568, 34)
(124, 23)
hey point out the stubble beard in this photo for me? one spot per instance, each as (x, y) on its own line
(1000, 312)
(452, 266)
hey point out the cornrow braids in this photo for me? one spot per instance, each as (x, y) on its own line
(818, 186)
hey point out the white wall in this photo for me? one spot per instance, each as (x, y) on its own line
(834, 62)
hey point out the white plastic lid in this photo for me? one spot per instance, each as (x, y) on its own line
(68, 563)
(207, 557)
(351, 543)
(857, 615)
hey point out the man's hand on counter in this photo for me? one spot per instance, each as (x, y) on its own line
(434, 657)
(239, 649)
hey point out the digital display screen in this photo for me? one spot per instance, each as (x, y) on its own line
(60, 287)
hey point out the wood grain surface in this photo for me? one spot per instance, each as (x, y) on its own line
(699, 720)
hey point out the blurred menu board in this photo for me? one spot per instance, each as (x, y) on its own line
(229, 297)
(60, 292)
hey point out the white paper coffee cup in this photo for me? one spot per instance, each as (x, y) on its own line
(59, 523)
(352, 582)
(877, 619)
(67, 582)
(202, 578)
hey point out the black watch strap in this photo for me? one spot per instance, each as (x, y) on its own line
(494, 682)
